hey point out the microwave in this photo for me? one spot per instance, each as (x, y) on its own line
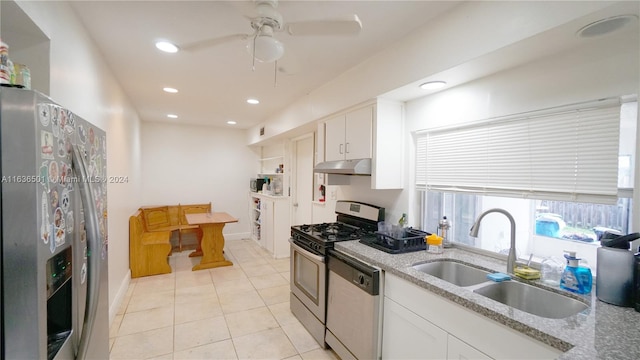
(256, 184)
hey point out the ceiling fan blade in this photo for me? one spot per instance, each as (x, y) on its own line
(349, 25)
(202, 44)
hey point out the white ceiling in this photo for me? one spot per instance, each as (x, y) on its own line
(214, 83)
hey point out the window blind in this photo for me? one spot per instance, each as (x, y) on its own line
(568, 153)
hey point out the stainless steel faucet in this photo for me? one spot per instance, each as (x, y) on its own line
(511, 259)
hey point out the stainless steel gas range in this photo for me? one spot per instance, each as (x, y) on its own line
(311, 246)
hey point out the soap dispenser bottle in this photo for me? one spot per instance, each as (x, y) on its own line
(576, 278)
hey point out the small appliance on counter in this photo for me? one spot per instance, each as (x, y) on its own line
(256, 184)
(615, 269)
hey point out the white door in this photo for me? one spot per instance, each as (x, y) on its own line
(302, 188)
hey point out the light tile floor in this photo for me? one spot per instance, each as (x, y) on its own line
(234, 312)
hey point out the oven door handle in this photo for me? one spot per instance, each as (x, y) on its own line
(306, 253)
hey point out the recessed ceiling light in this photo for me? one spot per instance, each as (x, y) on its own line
(170, 90)
(605, 26)
(433, 85)
(172, 116)
(167, 46)
(253, 101)
(231, 122)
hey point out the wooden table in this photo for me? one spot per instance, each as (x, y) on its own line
(212, 239)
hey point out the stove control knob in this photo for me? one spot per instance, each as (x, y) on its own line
(361, 279)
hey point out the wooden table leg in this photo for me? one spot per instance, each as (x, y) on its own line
(198, 251)
(212, 246)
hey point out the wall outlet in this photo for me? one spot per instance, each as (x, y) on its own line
(333, 194)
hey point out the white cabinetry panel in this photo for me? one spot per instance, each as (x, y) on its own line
(487, 336)
(358, 138)
(406, 335)
(460, 350)
(349, 136)
(271, 223)
(373, 131)
(334, 138)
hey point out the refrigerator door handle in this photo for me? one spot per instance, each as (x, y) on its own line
(93, 240)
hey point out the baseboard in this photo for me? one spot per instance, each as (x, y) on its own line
(237, 236)
(120, 295)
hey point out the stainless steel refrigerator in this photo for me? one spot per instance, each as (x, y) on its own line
(53, 231)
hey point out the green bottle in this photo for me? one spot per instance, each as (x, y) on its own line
(403, 220)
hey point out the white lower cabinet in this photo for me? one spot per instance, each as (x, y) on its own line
(406, 335)
(419, 324)
(460, 350)
(271, 225)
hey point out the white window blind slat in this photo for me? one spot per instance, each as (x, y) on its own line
(568, 153)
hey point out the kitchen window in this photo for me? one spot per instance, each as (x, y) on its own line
(560, 211)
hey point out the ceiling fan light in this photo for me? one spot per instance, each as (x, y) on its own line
(167, 47)
(433, 85)
(267, 48)
(605, 26)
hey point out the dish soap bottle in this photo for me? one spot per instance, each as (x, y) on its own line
(403, 221)
(576, 278)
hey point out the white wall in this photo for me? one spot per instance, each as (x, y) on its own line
(195, 164)
(600, 69)
(82, 82)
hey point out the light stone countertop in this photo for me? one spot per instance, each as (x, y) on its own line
(601, 332)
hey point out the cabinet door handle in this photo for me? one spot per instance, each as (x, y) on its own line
(341, 151)
(346, 147)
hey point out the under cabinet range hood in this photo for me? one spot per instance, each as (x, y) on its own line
(345, 167)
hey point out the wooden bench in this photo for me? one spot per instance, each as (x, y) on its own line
(148, 251)
(172, 218)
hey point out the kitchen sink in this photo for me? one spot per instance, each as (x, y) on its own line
(532, 299)
(453, 272)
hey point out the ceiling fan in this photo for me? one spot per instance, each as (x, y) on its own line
(262, 44)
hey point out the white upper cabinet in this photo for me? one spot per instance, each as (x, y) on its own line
(334, 138)
(348, 136)
(373, 131)
(358, 133)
